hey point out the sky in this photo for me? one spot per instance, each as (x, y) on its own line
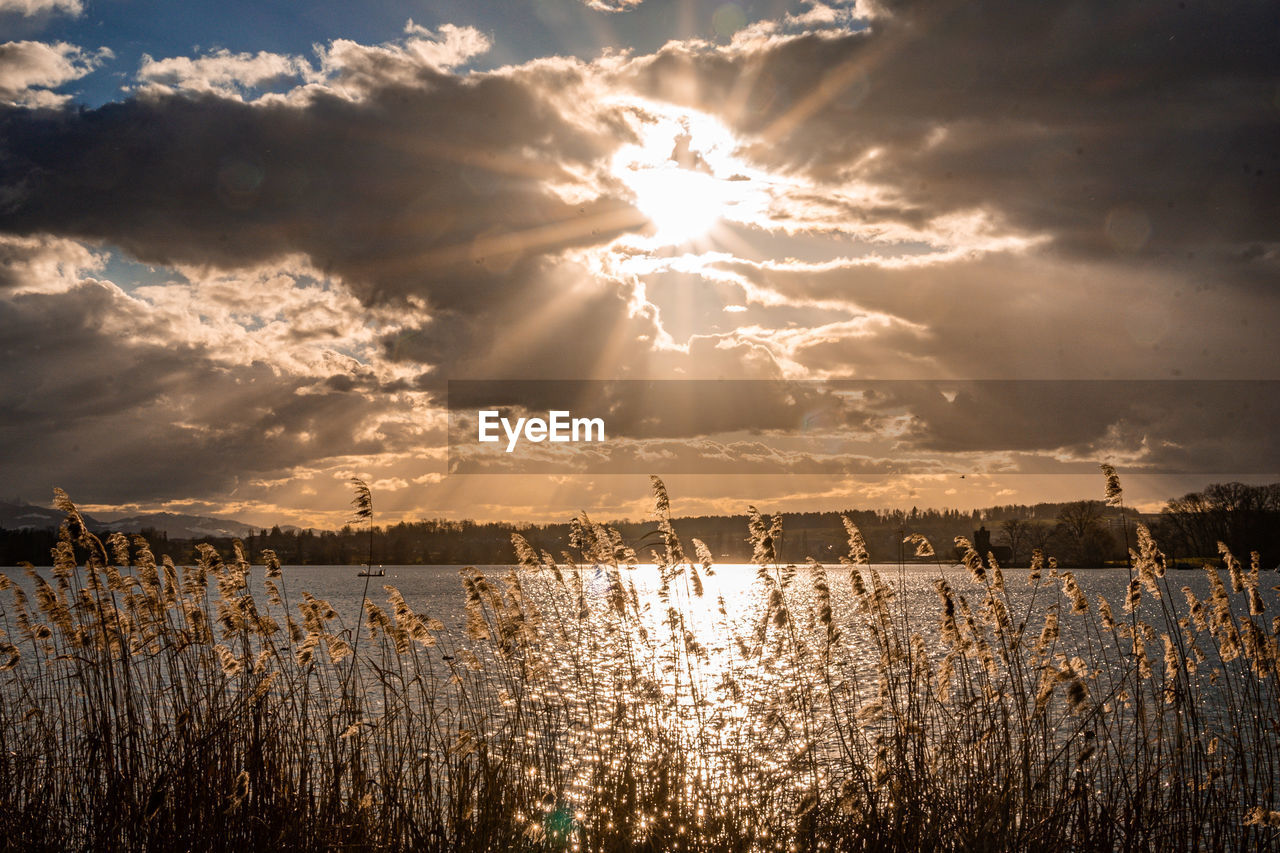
(246, 247)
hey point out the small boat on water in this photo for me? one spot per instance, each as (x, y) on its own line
(367, 572)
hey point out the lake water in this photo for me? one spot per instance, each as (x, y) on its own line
(437, 591)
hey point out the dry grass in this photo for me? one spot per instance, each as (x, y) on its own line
(151, 707)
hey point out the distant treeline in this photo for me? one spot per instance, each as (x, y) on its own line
(1078, 533)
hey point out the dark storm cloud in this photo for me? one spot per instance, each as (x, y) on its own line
(650, 409)
(689, 456)
(891, 426)
(544, 324)
(436, 190)
(113, 416)
(1120, 129)
(1023, 316)
(1167, 426)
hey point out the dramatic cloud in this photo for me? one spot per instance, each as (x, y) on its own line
(44, 263)
(107, 417)
(319, 241)
(1015, 317)
(437, 190)
(1111, 127)
(846, 427)
(30, 69)
(1177, 426)
(186, 388)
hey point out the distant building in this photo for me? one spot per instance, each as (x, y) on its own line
(982, 544)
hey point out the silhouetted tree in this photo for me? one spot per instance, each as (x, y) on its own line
(1246, 518)
(1017, 533)
(1083, 534)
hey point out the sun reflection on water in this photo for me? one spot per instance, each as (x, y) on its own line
(685, 670)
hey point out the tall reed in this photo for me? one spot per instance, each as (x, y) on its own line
(588, 704)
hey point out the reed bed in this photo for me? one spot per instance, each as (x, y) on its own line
(151, 707)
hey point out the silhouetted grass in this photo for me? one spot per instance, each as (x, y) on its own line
(151, 707)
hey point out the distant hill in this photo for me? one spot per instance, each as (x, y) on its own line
(177, 526)
(21, 516)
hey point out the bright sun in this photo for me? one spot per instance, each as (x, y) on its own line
(683, 174)
(682, 204)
